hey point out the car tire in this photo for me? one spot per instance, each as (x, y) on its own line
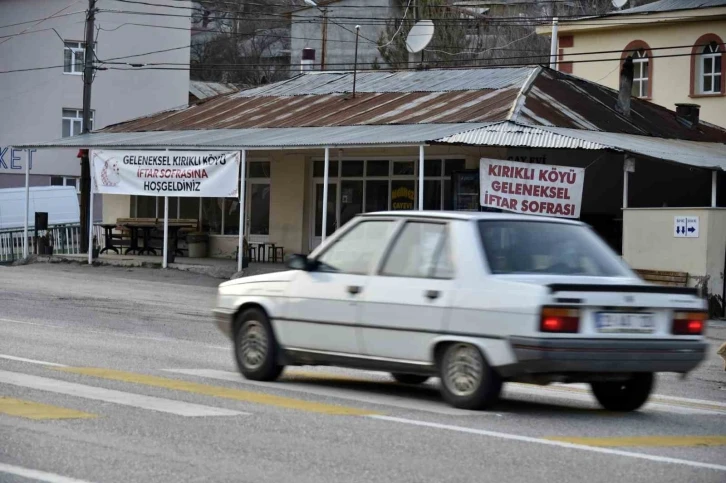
(626, 395)
(255, 347)
(467, 380)
(409, 378)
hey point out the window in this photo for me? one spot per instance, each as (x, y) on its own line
(420, 251)
(707, 66)
(640, 76)
(545, 248)
(74, 55)
(357, 250)
(64, 181)
(710, 63)
(73, 122)
(642, 68)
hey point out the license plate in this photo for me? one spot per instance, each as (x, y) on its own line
(610, 322)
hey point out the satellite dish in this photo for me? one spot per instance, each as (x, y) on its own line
(619, 3)
(420, 36)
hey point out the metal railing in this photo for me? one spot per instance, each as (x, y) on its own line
(66, 240)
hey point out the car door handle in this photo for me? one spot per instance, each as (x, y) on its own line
(354, 289)
(432, 294)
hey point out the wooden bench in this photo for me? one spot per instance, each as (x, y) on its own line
(676, 279)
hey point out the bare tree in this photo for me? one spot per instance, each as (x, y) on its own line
(241, 42)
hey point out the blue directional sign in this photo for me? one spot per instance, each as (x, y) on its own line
(685, 226)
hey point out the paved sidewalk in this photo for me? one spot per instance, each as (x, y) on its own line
(213, 267)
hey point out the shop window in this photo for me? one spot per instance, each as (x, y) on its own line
(377, 168)
(319, 169)
(707, 66)
(259, 169)
(351, 169)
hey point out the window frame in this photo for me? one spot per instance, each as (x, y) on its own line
(702, 74)
(75, 47)
(697, 61)
(78, 117)
(632, 49)
(437, 252)
(396, 225)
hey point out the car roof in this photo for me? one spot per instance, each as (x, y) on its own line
(469, 216)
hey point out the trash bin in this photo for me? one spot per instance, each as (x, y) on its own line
(197, 242)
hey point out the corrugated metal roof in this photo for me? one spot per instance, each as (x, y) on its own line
(697, 154)
(232, 112)
(534, 96)
(443, 80)
(203, 90)
(669, 6)
(512, 134)
(304, 137)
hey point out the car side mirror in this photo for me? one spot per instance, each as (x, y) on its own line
(299, 262)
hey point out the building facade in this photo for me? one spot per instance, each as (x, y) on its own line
(677, 48)
(41, 86)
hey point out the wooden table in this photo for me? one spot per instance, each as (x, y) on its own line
(146, 225)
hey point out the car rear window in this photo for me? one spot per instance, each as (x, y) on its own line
(547, 248)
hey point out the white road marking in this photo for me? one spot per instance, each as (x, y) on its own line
(340, 393)
(116, 334)
(117, 397)
(37, 475)
(546, 442)
(31, 361)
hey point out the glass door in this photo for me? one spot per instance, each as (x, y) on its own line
(258, 211)
(332, 214)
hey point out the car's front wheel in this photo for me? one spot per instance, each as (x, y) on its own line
(627, 395)
(256, 347)
(467, 380)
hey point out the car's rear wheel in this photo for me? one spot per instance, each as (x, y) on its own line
(256, 347)
(627, 395)
(409, 378)
(467, 380)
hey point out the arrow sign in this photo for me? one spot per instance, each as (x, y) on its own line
(691, 229)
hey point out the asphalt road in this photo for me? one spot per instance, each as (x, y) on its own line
(117, 375)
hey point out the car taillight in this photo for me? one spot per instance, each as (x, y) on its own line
(563, 320)
(689, 323)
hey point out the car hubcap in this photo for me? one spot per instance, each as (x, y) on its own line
(464, 370)
(253, 344)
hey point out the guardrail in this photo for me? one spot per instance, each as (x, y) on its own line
(66, 241)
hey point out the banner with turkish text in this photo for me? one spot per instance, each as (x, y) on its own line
(166, 173)
(531, 189)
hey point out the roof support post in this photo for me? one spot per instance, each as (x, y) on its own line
(91, 241)
(421, 177)
(165, 250)
(714, 188)
(240, 247)
(628, 167)
(326, 173)
(27, 207)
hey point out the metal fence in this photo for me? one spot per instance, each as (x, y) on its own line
(66, 241)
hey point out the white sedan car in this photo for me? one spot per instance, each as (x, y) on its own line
(474, 299)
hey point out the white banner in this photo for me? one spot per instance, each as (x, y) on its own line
(531, 189)
(166, 173)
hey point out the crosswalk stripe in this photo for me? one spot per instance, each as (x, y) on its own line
(109, 395)
(298, 384)
(36, 475)
(655, 403)
(652, 441)
(218, 391)
(35, 410)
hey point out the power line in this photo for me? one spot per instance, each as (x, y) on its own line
(41, 19)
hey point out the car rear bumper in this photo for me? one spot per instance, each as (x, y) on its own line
(224, 318)
(540, 355)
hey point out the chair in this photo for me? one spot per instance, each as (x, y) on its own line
(252, 253)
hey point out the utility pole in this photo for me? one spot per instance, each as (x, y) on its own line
(85, 162)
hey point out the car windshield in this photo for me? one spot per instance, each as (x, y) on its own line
(537, 247)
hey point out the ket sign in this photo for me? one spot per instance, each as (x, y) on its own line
(531, 189)
(172, 173)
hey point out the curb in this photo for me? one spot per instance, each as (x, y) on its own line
(213, 272)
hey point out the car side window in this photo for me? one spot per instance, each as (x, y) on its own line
(421, 251)
(359, 249)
